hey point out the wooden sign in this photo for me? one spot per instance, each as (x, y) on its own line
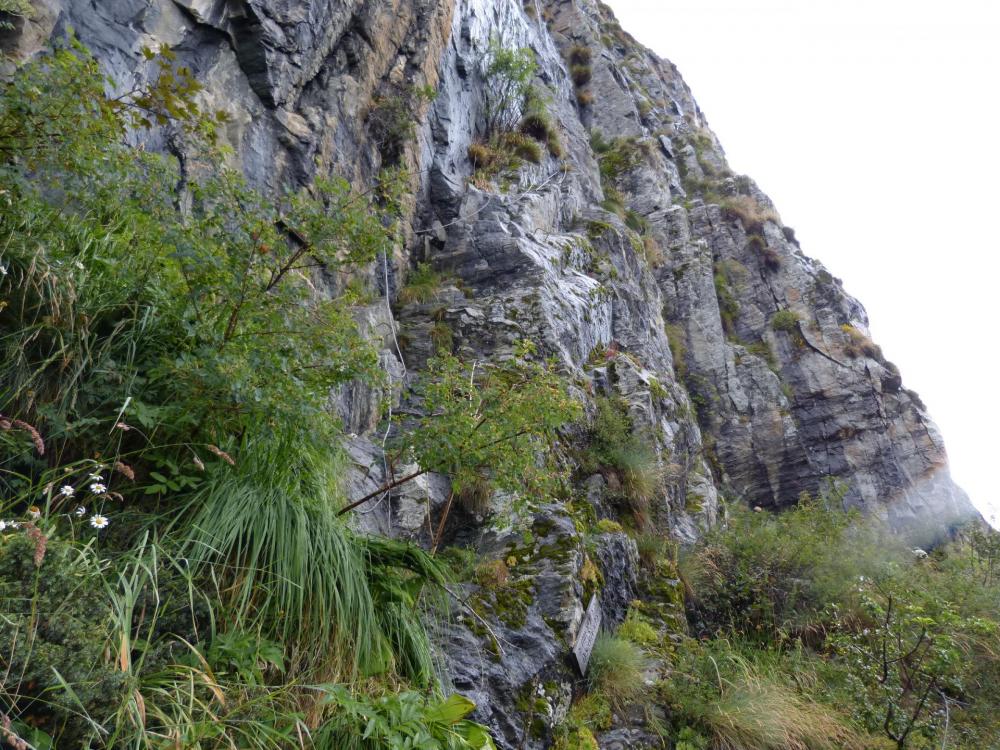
(585, 637)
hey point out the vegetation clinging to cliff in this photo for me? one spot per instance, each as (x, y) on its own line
(168, 454)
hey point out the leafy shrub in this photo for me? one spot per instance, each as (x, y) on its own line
(54, 624)
(507, 75)
(399, 720)
(153, 338)
(615, 448)
(764, 575)
(818, 626)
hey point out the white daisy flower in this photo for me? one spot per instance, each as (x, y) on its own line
(98, 521)
(67, 490)
(80, 511)
(34, 513)
(98, 489)
(95, 477)
(14, 524)
(3, 525)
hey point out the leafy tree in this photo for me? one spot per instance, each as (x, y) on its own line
(507, 74)
(486, 422)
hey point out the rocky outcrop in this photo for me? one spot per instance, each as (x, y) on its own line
(659, 279)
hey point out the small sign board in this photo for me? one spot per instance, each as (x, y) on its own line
(587, 634)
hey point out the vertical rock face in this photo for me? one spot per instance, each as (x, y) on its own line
(660, 280)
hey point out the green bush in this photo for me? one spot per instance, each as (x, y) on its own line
(786, 321)
(54, 627)
(830, 620)
(398, 720)
(616, 448)
(507, 75)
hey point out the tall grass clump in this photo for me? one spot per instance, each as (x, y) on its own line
(422, 285)
(617, 670)
(622, 454)
(293, 571)
(730, 703)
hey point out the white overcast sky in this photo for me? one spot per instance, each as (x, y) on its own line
(875, 128)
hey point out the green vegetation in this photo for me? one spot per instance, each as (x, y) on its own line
(507, 75)
(786, 321)
(627, 460)
(820, 629)
(581, 72)
(616, 668)
(177, 573)
(423, 284)
(516, 117)
(537, 124)
(729, 276)
(392, 121)
(13, 8)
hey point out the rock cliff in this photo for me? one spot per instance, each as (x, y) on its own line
(665, 284)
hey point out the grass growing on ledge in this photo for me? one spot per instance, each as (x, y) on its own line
(786, 321)
(616, 670)
(422, 285)
(751, 214)
(859, 345)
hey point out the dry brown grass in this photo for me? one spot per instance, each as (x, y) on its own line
(758, 714)
(751, 214)
(859, 345)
